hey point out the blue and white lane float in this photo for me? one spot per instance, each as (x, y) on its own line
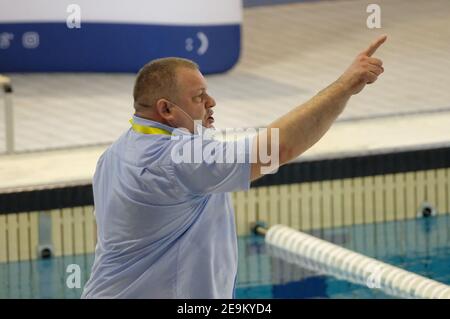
(326, 258)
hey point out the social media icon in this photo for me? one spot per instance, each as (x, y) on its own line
(5, 40)
(30, 40)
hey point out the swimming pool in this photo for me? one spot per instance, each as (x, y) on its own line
(418, 245)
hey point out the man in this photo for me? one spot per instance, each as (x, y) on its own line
(166, 228)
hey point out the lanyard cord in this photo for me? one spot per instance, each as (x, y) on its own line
(148, 129)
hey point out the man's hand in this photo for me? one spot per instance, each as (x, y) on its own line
(364, 70)
(304, 125)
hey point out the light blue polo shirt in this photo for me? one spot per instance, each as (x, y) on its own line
(166, 229)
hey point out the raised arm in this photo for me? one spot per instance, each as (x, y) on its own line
(304, 125)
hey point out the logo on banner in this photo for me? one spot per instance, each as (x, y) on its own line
(30, 40)
(5, 40)
(204, 43)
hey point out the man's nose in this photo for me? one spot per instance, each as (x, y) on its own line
(211, 102)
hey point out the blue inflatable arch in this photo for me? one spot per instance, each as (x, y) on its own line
(117, 35)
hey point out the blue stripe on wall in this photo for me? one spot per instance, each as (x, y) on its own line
(98, 47)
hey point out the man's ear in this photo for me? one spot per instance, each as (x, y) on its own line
(163, 109)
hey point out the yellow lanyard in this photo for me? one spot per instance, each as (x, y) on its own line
(148, 129)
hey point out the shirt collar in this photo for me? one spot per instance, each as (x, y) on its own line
(170, 129)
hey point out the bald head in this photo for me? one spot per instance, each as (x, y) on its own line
(158, 79)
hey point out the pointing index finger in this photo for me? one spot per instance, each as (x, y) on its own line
(375, 45)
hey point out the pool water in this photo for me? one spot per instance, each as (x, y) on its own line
(420, 245)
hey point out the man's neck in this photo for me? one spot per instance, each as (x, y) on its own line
(151, 118)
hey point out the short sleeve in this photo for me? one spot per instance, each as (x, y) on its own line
(209, 166)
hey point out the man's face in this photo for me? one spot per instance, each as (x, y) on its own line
(193, 99)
